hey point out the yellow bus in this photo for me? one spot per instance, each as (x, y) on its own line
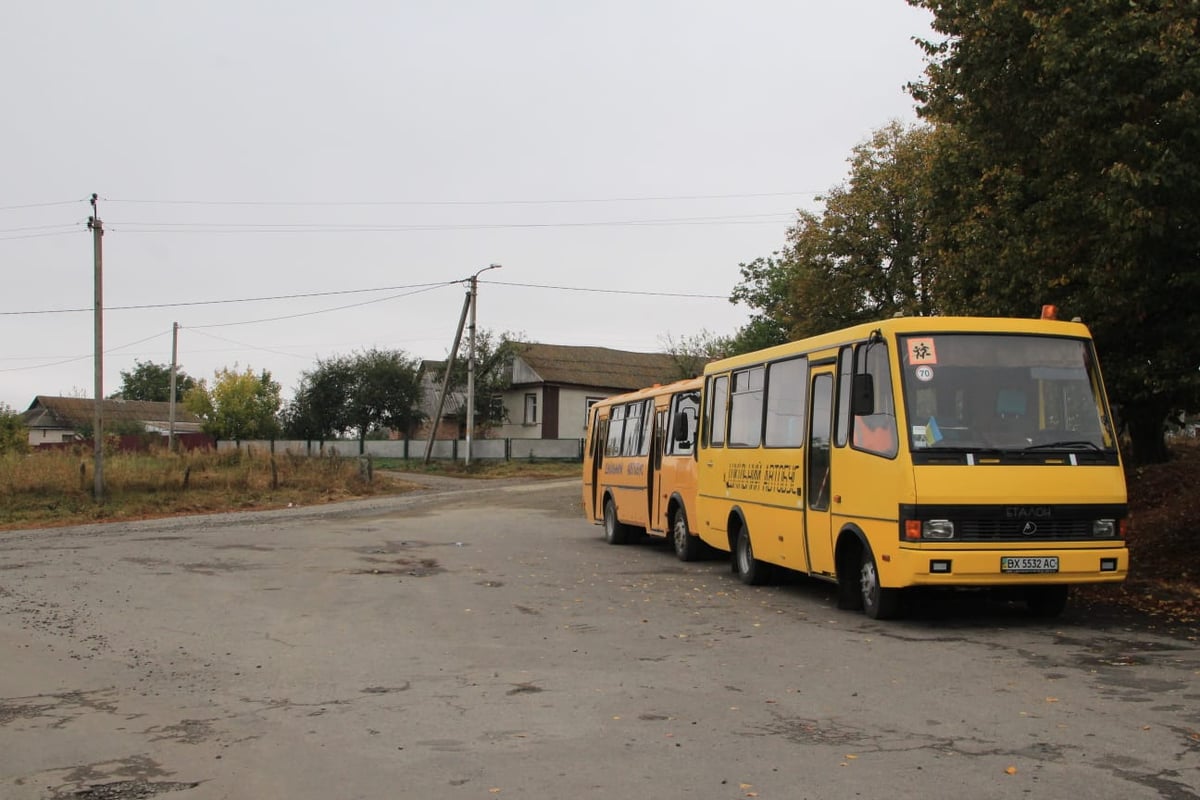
(639, 467)
(925, 451)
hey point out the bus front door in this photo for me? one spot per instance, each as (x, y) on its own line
(593, 462)
(818, 527)
(657, 502)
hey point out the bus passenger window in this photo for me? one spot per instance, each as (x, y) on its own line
(616, 431)
(786, 398)
(745, 409)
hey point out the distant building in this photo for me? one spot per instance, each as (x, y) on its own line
(552, 387)
(54, 420)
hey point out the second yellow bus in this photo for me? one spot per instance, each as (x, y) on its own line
(639, 467)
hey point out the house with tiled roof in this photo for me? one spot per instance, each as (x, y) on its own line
(554, 386)
(53, 420)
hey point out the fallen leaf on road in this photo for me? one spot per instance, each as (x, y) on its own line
(1011, 770)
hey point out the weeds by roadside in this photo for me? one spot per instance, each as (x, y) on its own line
(56, 488)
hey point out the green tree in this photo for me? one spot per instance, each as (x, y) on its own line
(862, 258)
(318, 410)
(240, 405)
(691, 353)
(150, 381)
(14, 436)
(384, 393)
(1066, 172)
(493, 376)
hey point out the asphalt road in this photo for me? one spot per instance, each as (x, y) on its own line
(486, 643)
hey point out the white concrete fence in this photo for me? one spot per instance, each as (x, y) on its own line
(481, 449)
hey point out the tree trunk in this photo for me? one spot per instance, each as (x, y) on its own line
(1146, 429)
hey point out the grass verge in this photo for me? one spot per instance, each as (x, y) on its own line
(44, 489)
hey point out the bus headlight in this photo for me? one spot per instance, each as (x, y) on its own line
(1104, 528)
(937, 529)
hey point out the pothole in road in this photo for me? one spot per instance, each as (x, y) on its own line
(389, 548)
(812, 731)
(411, 567)
(127, 790)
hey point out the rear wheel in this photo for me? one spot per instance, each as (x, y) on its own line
(687, 546)
(748, 568)
(615, 531)
(877, 602)
(1047, 601)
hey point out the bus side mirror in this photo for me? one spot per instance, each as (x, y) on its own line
(862, 395)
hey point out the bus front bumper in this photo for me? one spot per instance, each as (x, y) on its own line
(1008, 567)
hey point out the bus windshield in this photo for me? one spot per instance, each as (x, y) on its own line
(1003, 392)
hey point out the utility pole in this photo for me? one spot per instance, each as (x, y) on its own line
(471, 360)
(437, 415)
(174, 358)
(97, 229)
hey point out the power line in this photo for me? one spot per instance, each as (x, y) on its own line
(323, 310)
(609, 291)
(376, 227)
(552, 201)
(264, 298)
(42, 227)
(418, 286)
(244, 344)
(42, 205)
(37, 235)
(772, 218)
(82, 358)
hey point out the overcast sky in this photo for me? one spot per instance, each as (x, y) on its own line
(371, 155)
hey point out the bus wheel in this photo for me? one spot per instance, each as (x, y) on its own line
(687, 547)
(749, 569)
(1047, 601)
(877, 602)
(615, 532)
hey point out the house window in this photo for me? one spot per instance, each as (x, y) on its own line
(530, 409)
(588, 402)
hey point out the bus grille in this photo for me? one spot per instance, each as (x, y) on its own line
(1003, 530)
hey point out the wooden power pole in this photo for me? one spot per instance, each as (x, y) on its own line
(97, 229)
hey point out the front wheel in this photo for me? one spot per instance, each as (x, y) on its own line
(687, 546)
(749, 569)
(615, 531)
(877, 602)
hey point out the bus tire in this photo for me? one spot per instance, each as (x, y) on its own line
(687, 546)
(615, 531)
(749, 569)
(877, 602)
(1047, 601)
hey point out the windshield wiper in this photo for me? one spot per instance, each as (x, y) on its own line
(1067, 445)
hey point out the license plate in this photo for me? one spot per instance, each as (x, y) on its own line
(1029, 564)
